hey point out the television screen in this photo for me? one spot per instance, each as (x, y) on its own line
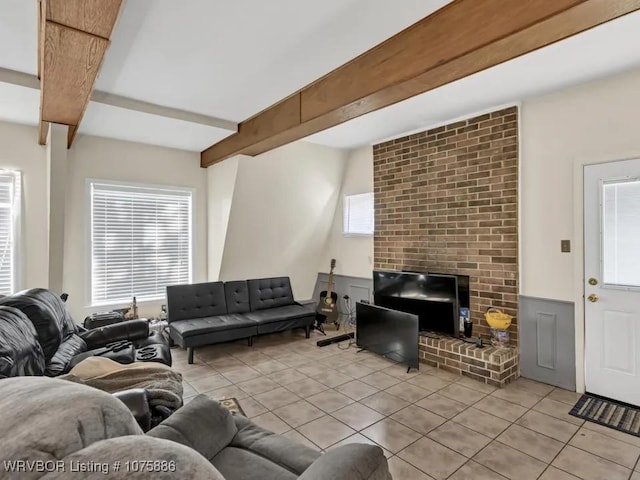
(390, 333)
(433, 297)
(417, 286)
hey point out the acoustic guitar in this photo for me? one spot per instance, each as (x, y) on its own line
(328, 304)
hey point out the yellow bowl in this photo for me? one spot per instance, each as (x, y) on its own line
(497, 319)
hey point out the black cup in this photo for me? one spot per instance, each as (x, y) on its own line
(468, 327)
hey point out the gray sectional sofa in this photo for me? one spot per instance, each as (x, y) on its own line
(215, 312)
(84, 433)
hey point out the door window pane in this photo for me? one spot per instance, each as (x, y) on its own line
(621, 233)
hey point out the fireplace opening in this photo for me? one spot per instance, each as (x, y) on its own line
(435, 298)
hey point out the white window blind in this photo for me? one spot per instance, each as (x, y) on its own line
(140, 241)
(358, 214)
(10, 193)
(620, 233)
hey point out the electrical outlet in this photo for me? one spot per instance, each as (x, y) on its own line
(565, 246)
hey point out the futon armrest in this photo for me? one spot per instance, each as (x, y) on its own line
(356, 461)
(306, 302)
(129, 330)
(202, 424)
(136, 400)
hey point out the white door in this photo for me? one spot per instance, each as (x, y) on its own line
(612, 279)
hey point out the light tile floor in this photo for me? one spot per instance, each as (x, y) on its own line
(431, 424)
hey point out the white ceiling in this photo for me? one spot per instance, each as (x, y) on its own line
(232, 59)
(227, 60)
(602, 51)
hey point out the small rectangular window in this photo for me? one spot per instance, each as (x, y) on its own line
(10, 193)
(358, 214)
(141, 239)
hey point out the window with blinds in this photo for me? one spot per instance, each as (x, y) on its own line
(141, 240)
(10, 186)
(358, 214)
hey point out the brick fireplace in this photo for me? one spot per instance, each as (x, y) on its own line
(446, 202)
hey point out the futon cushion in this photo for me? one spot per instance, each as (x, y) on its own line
(198, 300)
(201, 326)
(269, 293)
(278, 314)
(237, 296)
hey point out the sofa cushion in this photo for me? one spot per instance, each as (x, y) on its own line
(130, 330)
(61, 361)
(294, 456)
(202, 424)
(20, 352)
(239, 464)
(47, 314)
(354, 461)
(48, 419)
(279, 314)
(198, 300)
(237, 296)
(269, 293)
(201, 326)
(172, 461)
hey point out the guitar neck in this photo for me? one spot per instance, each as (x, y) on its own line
(330, 283)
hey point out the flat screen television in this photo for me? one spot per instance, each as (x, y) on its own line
(433, 297)
(390, 333)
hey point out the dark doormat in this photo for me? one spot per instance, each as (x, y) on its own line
(617, 415)
(232, 405)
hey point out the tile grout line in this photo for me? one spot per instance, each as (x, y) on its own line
(379, 369)
(558, 454)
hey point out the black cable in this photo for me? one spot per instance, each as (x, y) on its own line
(349, 314)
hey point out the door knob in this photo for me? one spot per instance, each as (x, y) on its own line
(592, 298)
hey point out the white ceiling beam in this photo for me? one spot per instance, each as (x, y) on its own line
(19, 78)
(162, 111)
(31, 81)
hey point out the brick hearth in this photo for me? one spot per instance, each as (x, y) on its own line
(490, 365)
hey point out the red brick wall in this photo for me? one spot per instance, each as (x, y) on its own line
(446, 202)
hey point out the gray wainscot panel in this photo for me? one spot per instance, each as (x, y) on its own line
(547, 341)
(357, 288)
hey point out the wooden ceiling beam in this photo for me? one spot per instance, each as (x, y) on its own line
(73, 38)
(463, 38)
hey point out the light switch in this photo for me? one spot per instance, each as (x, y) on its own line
(565, 246)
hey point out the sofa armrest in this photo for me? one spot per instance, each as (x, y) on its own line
(202, 424)
(130, 330)
(136, 400)
(180, 462)
(356, 461)
(276, 448)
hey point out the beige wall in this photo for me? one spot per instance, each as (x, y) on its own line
(19, 150)
(106, 159)
(283, 206)
(221, 179)
(354, 255)
(590, 123)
